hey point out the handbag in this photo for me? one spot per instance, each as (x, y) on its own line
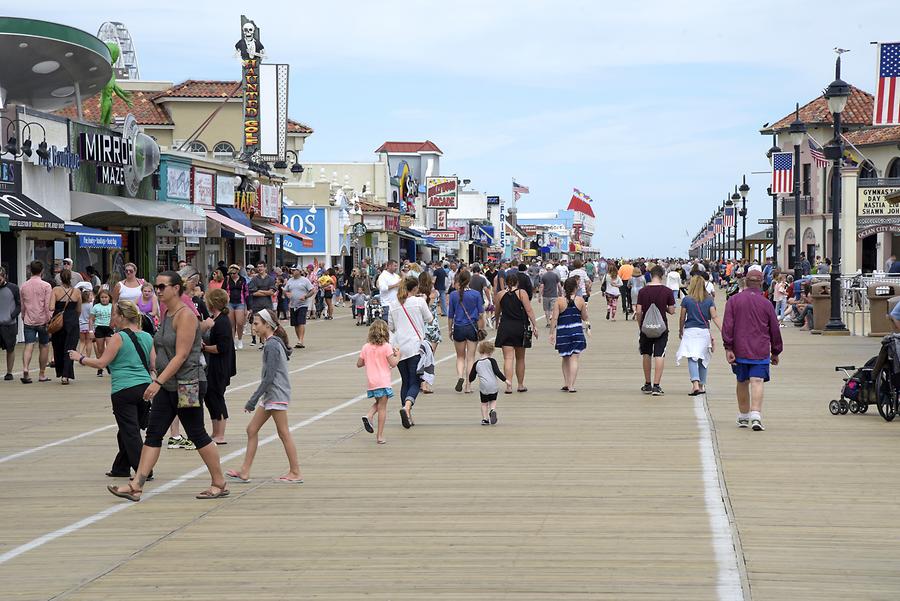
(143, 405)
(188, 390)
(480, 333)
(528, 335)
(56, 322)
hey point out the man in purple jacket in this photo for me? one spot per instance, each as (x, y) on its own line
(752, 341)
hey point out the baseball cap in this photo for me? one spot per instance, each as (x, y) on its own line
(754, 268)
(68, 260)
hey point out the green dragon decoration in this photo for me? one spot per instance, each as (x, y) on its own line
(106, 96)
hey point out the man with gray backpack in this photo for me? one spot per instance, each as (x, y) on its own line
(654, 301)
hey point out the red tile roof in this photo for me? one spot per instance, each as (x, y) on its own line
(857, 112)
(149, 111)
(409, 147)
(874, 135)
(371, 207)
(144, 109)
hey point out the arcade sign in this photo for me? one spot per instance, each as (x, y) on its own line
(441, 192)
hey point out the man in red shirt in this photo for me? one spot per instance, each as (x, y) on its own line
(36, 307)
(654, 349)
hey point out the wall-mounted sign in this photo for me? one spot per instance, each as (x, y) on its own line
(10, 176)
(111, 153)
(178, 182)
(502, 225)
(64, 159)
(440, 221)
(268, 201)
(392, 223)
(444, 235)
(203, 188)
(482, 233)
(871, 201)
(224, 189)
(359, 229)
(195, 229)
(493, 200)
(309, 224)
(373, 223)
(251, 106)
(245, 201)
(441, 192)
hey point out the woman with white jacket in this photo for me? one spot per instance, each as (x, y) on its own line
(407, 324)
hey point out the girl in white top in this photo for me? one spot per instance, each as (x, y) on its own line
(612, 292)
(673, 282)
(129, 288)
(407, 325)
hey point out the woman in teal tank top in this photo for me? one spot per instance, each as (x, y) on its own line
(131, 374)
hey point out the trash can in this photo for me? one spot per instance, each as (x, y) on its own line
(879, 294)
(821, 299)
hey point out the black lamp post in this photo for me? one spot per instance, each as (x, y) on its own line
(736, 198)
(797, 131)
(743, 190)
(837, 94)
(771, 156)
(728, 205)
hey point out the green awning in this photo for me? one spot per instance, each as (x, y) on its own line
(4, 223)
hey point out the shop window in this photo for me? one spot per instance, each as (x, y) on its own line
(893, 169)
(197, 147)
(223, 150)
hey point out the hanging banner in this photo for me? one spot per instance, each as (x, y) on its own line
(441, 192)
(441, 220)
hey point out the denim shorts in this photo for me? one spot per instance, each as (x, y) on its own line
(377, 393)
(237, 306)
(465, 332)
(36, 334)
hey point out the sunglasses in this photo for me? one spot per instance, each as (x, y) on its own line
(161, 287)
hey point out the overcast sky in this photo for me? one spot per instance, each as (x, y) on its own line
(653, 108)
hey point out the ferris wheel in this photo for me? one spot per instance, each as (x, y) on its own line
(127, 65)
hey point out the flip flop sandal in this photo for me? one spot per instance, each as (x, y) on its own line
(206, 494)
(220, 443)
(404, 419)
(43, 379)
(368, 425)
(459, 385)
(236, 477)
(284, 480)
(382, 442)
(130, 495)
(507, 392)
(565, 388)
(572, 390)
(25, 379)
(114, 475)
(521, 390)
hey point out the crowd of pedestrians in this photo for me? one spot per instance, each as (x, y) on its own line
(171, 345)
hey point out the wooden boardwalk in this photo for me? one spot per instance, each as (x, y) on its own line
(602, 494)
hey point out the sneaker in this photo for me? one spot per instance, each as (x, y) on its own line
(657, 391)
(743, 422)
(8, 377)
(493, 415)
(646, 389)
(187, 445)
(240, 344)
(253, 342)
(757, 425)
(174, 442)
(485, 422)
(99, 373)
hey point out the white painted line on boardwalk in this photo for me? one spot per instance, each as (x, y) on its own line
(728, 581)
(83, 523)
(107, 427)
(55, 443)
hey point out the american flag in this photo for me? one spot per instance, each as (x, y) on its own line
(782, 173)
(729, 216)
(718, 229)
(816, 151)
(519, 190)
(887, 96)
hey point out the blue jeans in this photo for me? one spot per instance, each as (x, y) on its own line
(697, 371)
(780, 307)
(442, 301)
(409, 379)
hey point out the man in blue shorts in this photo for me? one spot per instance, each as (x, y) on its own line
(752, 341)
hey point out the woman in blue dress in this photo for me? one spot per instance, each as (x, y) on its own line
(567, 331)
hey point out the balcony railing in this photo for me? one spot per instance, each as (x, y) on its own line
(878, 181)
(806, 206)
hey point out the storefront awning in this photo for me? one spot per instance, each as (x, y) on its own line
(25, 214)
(279, 229)
(242, 231)
(412, 234)
(89, 237)
(235, 215)
(99, 209)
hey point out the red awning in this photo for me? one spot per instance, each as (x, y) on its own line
(283, 230)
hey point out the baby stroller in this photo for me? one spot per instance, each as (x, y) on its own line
(374, 310)
(858, 391)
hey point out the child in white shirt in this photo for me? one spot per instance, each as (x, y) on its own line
(488, 373)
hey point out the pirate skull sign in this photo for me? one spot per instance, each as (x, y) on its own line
(249, 47)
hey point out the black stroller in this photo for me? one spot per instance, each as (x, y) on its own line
(374, 310)
(877, 382)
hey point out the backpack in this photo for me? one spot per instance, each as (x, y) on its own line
(653, 325)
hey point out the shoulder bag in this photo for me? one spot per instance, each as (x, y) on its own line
(188, 390)
(56, 322)
(529, 331)
(143, 405)
(480, 333)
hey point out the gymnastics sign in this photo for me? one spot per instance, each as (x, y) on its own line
(441, 192)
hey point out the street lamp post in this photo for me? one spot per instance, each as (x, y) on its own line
(837, 94)
(797, 131)
(735, 198)
(743, 190)
(728, 205)
(771, 156)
